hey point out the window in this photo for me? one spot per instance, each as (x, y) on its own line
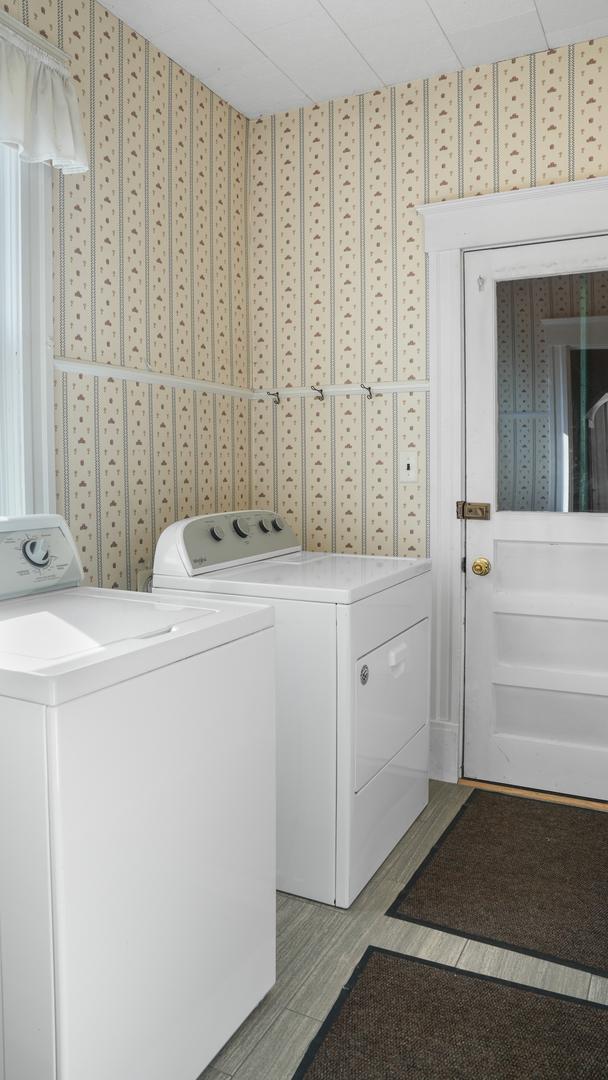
(40, 127)
(26, 465)
(552, 381)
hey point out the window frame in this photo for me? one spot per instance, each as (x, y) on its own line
(27, 412)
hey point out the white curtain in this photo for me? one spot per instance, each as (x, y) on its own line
(39, 113)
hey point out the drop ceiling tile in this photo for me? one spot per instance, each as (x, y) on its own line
(261, 14)
(317, 56)
(267, 96)
(566, 23)
(147, 19)
(561, 14)
(455, 15)
(354, 15)
(208, 48)
(400, 55)
(258, 87)
(568, 35)
(499, 41)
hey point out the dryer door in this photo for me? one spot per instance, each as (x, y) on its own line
(392, 699)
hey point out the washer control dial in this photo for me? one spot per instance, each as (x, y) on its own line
(277, 524)
(265, 525)
(37, 553)
(217, 532)
(240, 527)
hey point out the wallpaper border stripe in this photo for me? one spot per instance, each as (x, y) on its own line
(170, 282)
(147, 201)
(192, 259)
(216, 464)
(195, 452)
(332, 320)
(246, 260)
(121, 198)
(460, 135)
(571, 113)
(66, 446)
(363, 318)
(303, 342)
(126, 478)
(273, 234)
(211, 320)
(395, 312)
(230, 249)
(495, 127)
(151, 463)
(532, 92)
(91, 174)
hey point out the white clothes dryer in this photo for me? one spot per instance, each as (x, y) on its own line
(137, 810)
(352, 639)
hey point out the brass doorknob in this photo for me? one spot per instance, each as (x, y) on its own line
(481, 566)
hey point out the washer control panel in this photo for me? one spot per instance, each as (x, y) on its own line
(216, 540)
(36, 553)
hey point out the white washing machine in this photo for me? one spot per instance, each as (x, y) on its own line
(352, 637)
(137, 810)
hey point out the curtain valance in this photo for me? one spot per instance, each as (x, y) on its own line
(39, 113)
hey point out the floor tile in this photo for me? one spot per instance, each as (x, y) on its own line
(417, 941)
(598, 989)
(517, 967)
(444, 803)
(211, 1073)
(320, 989)
(376, 897)
(304, 951)
(277, 1055)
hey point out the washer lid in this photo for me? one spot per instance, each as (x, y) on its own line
(308, 575)
(57, 646)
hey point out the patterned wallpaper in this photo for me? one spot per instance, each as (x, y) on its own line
(281, 252)
(528, 438)
(150, 272)
(338, 271)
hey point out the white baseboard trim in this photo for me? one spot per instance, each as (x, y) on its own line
(444, 761)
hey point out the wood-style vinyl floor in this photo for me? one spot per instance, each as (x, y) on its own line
(318, 947)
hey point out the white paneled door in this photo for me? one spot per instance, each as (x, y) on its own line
(536, 697)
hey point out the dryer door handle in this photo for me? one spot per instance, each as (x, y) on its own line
(396, 659)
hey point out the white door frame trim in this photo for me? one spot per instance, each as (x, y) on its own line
(533, 215)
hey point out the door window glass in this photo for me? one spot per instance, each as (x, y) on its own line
(552, 336)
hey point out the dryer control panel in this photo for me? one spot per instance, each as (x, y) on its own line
(212, 541)
(37, 553)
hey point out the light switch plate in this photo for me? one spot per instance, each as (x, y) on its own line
(408, 467)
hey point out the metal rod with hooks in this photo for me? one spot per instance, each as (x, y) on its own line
(321, 393)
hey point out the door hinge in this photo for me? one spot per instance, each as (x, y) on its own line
(472, 511)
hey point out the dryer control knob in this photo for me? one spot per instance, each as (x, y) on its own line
(277, 524)
(265, 525)
(217, 532)
(240, 527)
(36, 552)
